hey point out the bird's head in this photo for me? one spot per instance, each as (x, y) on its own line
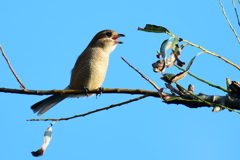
(106, 39)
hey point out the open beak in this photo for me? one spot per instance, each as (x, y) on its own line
(118, 36)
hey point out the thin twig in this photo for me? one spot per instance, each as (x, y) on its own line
(9, 65)
(94, 111)
(224, 13)
(151, 82)
(234, 6)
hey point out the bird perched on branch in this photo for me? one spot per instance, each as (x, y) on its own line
(89, 70)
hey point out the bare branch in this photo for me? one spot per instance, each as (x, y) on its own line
(151, 82)
(234, 6)
(91, 112)
(230, 25)
(9, 65)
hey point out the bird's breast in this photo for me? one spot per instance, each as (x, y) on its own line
(90, 69)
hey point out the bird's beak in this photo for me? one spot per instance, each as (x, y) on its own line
(118, 36)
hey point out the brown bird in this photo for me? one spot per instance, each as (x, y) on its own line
(89, 70)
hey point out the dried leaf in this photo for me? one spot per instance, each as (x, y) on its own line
(179, 62)
(174, 56)
(179, 76)
(159, 66)
(170, 61)
(171, 78)
(159, 54)
(167, 77)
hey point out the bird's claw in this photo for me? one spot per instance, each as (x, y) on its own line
(86, 90)
(100, 90)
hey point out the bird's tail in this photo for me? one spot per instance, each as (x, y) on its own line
(46, 104)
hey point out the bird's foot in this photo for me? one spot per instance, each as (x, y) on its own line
(100, 90)
(86, 90)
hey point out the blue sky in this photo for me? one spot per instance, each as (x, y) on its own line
(43, 39)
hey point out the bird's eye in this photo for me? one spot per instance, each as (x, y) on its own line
(109, 34)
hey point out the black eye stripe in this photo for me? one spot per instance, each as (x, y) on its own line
(109, 34)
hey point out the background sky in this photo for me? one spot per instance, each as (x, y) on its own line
(42, 40)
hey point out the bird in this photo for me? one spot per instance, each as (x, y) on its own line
(89, 70)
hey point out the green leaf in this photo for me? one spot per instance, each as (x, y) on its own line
(176, 50)
(191, 61)
(174, 43)
(183, 45)
(169, 75)
(154, 28)
(164, 47)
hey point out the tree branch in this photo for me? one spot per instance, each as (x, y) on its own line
(230, 101)
(14, 73)
(206, 51)
(106, 90)
(94, 111)
(151, 82)
(235, 9)
(202, 80)
(229, 23)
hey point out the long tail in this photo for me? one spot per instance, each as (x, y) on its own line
(46, 104)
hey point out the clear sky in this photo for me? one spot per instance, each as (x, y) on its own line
(42, 40)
